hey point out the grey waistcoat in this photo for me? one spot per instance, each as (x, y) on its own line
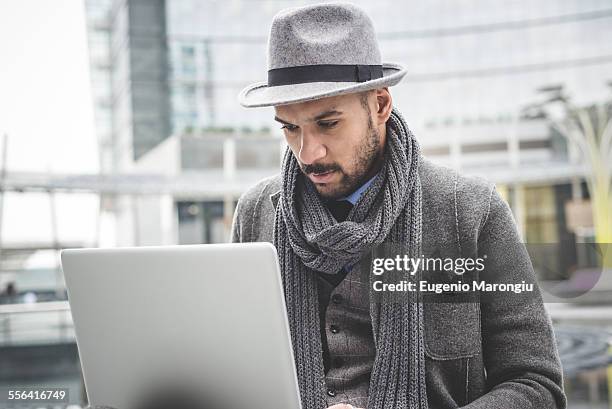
(477, 355)
(350, 341)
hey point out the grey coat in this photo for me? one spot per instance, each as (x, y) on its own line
(493, 355)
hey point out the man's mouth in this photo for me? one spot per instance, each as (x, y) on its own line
(321, 177)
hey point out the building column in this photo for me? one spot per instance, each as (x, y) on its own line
(228, 214)
(229, 158)
(517, 203)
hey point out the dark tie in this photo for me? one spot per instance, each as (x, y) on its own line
(339, 209)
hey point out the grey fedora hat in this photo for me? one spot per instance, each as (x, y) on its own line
(319, 51)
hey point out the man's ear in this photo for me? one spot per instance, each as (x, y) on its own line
(384, 105)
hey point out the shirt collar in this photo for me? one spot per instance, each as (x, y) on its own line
(354, 197)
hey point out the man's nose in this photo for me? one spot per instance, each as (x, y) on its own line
(311, 150)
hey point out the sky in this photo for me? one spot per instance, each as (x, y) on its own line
(46, 111)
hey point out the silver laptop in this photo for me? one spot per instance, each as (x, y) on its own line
(208, 319)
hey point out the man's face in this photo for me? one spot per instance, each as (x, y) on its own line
(335, 142)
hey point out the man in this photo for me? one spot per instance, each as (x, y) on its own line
(352, 180)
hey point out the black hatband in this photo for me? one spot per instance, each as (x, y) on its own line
(324, 73)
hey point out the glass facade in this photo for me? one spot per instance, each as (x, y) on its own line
(98, 25)
(466, 62)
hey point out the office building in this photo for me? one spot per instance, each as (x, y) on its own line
(471, 71)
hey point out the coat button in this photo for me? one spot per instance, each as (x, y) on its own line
(336, 298)
(334, 329)
(331, 392)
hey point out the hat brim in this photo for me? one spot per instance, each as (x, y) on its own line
(260, 95)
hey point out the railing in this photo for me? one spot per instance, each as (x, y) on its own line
(37, 323)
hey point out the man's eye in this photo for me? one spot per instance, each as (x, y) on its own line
(290, 128)
(328, 125)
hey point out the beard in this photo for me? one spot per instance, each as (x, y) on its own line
(365, 160)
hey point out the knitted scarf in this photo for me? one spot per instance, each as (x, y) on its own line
(308, 238)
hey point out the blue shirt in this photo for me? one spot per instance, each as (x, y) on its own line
(354, 197)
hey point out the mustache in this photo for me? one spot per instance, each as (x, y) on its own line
(319, 168)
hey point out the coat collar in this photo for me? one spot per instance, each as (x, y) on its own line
(274, 198)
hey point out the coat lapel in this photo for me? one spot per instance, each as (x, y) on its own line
(274, 198)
